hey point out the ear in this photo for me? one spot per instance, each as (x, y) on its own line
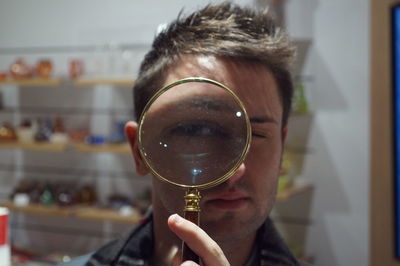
(131, 132)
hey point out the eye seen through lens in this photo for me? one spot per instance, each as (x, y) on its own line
(193, 134)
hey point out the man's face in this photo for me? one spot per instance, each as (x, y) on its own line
(236, 208)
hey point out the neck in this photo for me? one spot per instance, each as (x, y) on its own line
(166, 243)
(238, 251)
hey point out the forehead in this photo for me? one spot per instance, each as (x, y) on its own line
(253, 83)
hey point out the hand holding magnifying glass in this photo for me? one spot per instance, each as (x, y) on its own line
(194, 134)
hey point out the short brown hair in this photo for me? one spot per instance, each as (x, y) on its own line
(223, 30)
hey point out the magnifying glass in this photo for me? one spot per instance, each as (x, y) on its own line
(194, 134)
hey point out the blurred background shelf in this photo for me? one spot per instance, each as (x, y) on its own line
(37, 209)
(34, 82)
(36, 146)
(79, 212)
(122, 148)
(104, 214)
(86, 82)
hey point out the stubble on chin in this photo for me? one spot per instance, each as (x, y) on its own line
(233, 226)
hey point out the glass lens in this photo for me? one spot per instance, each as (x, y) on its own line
(193, 134)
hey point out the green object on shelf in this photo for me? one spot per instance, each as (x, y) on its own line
(283, 183)
(47, 197)
(300, 100)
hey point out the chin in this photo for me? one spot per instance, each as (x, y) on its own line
(231, 226)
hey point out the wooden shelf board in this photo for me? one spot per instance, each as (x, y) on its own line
(292, 191)
(45, 146)
(122, 148)
(80, 212)
(33, 82)
(86, 82)
(102, 214)
(37, 209)
(113, 148)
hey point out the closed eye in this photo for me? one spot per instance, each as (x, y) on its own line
(258, 135)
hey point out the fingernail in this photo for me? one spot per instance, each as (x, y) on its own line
(177, 219)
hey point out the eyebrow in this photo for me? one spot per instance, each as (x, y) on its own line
(263, 119)
(211, 103)
(208, 103)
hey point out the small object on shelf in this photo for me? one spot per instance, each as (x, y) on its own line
(47, 196)
(44, 131)
(29, 187)
(118, 136)
(300, 103)
(87, 195)
(5, 252)
(3, 76)
(76, 68)
(59, 135)
(26, 131)
(283, 183)
(35, 191)
(21, 199)
(78, 135)
(65, 195)
(58, 125)
(285, 176)
(59, 138)
(95, 140)
(7, 133)
(20, 70)
(44, 69)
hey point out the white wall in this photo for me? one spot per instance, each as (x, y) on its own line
(338, 162)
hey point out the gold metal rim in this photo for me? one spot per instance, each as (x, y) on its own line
(242, 155)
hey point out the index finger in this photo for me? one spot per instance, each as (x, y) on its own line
(198, 240)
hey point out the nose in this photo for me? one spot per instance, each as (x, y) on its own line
(237, 175)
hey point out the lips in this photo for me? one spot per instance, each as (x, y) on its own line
(232, 200)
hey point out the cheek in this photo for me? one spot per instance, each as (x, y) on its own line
(264, 158)
(169, 196)
(263, 167)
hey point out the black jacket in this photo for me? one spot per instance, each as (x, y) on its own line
(135, 249)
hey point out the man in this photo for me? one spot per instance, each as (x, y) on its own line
(245, 51)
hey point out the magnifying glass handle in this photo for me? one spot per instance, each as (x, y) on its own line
(187, 253)
(191, 213)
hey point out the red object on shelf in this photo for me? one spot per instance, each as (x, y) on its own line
(3, 76)
(75, 68)
(3, 226)
(44, 68)
(20, 69)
